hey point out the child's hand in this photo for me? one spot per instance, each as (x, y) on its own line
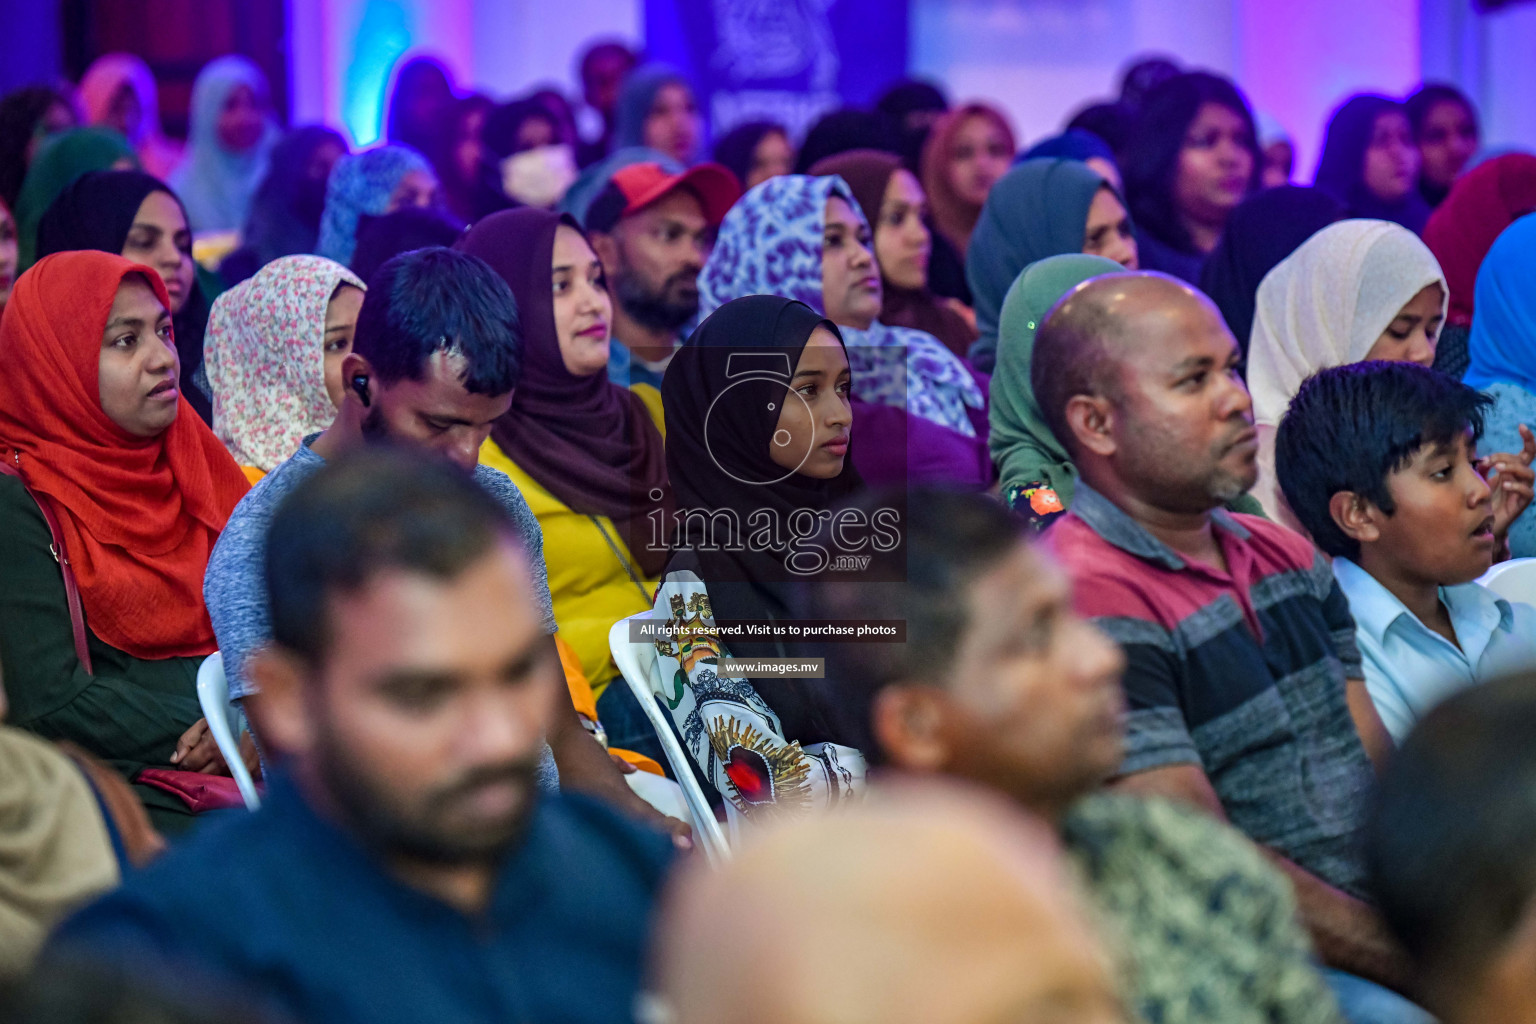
(1512, 480)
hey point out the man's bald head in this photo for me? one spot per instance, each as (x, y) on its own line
(1085, 338)
(1136, 375)
(921, 905)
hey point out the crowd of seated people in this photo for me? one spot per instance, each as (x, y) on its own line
(1169, 491)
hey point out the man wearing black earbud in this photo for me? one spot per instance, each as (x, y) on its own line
(433, 365)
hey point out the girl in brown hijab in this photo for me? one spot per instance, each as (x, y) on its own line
(894, 202)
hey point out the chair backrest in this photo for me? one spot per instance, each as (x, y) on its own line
(1514, 580)
(661, 793)
(637, 666)
(225, 723)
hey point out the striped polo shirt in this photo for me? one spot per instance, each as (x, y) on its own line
(1240, 672)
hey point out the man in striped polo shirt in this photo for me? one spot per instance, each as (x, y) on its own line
(1243, 683)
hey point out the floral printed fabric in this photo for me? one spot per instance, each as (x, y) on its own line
(770, 244)
(1202, 928)
(362, 183)
(265, 354)
(730, 731)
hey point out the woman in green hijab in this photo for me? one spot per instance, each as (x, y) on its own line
(1035, 473)
(58, 164)
(1034, 470)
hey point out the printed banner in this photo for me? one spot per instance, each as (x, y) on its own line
(788, 61)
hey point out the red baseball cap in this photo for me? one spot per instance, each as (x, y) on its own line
(643, 184)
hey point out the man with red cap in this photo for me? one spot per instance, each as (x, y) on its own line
(653, 231)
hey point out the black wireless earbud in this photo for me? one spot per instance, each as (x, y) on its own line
(360, 388)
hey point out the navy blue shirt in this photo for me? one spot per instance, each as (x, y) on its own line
(288, 909)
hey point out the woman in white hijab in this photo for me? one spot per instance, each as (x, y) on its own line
(1356, 290)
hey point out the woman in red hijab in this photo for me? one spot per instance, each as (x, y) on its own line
(93, 425)
(969, 149)
(1482, 203)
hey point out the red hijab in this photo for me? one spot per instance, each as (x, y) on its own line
(139, 515)
(953, 217)
(1482, 203)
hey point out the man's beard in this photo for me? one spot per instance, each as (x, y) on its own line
(653, 309)
(1226, 487)
(373, 426)
(1164, 474)
(424, 830)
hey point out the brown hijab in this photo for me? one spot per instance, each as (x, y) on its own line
(868, 173)
(590, 442)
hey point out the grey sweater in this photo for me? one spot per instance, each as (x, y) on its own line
(236, 590)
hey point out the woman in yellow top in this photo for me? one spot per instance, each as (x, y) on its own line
(585, 453)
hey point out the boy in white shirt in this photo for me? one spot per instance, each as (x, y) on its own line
(1379, 462)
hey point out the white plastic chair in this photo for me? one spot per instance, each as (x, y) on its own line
(225, 722)
(1514, 580)
(661, 793)
(637, 666)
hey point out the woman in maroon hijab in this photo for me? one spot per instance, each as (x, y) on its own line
(587, 454)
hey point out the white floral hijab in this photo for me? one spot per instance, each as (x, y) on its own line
(265, 357)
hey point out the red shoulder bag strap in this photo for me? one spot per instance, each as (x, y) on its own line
(12, 467)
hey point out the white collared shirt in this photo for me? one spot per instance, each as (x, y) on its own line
(1409, 668)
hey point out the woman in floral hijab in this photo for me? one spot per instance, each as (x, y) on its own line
(921, 409)
(274, 350)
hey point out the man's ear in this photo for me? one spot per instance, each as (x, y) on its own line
(355, 365)
(1091, 418)
(908, 723)
(1356, 516)
(280, 711)
(607, 250)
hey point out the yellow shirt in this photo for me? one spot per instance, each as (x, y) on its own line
(652, 399)
(590, 587)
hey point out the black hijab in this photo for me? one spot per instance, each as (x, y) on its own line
(96, 211)
(478, 194)
(1263, 230)
(737, 149)
(1111, 122)
(722, 393)
(912, 106)
(1341, 169)
(285, 212)
(842, 130)
(381, 238)
(1418, 106)
(1152, 154)
(21, 111)
(419, 104)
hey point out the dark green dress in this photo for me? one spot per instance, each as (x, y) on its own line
(130, 713)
